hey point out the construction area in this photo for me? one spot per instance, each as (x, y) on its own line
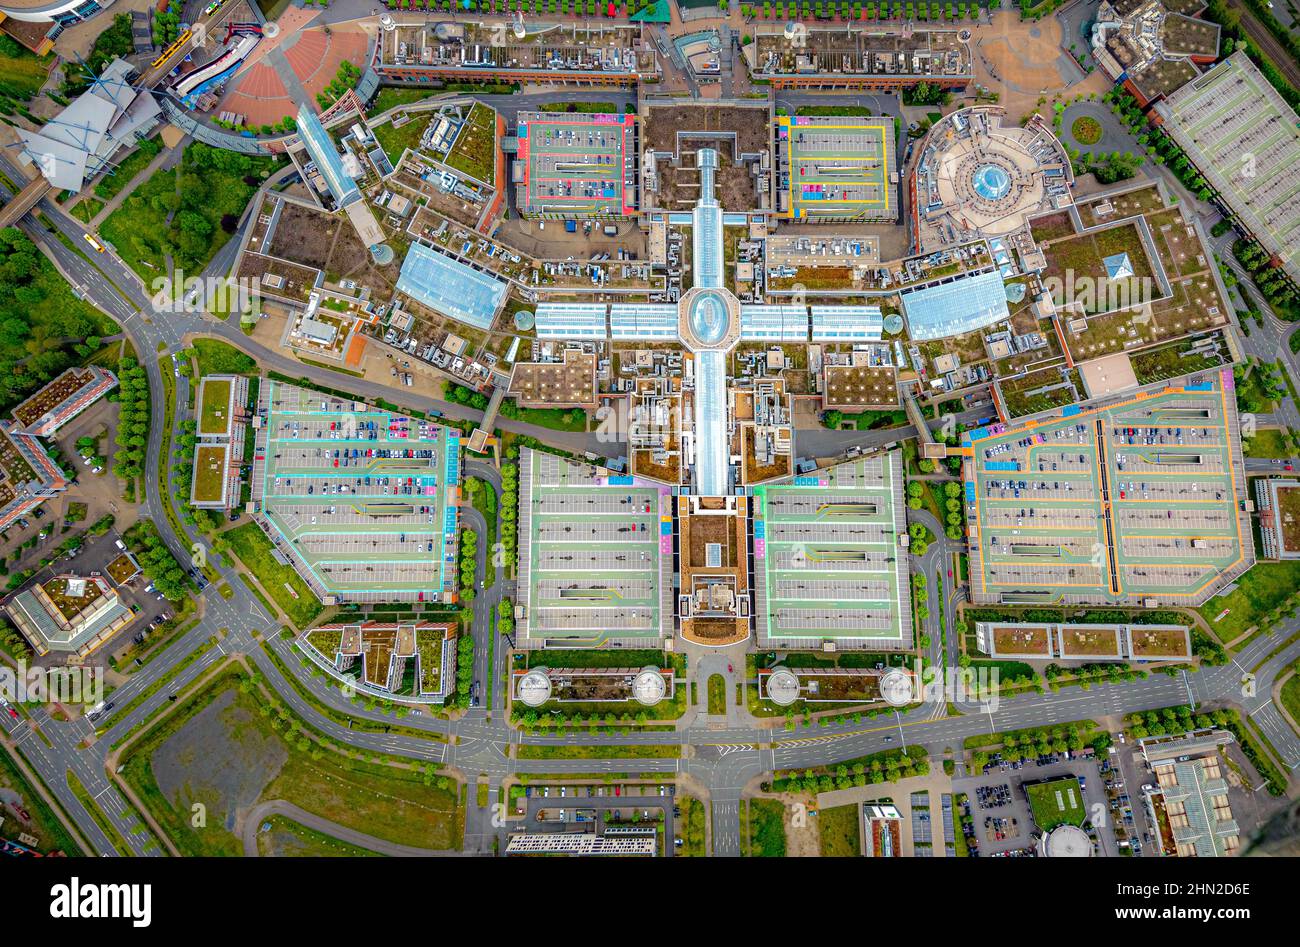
(835, 168)
(1137, 502)
(830, 564)
(597, 556)
(576, 165)
(361, 501)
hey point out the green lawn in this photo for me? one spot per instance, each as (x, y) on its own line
(766, 828)
(841, 832)
(22, 73)
(111, 185)
(216, 357)
(383, 801)
(1259, 591)
(1268, 443)
(396, 140)
(250, 544)
(388, 98)
(188, 212)
(474, 150)
(1291, 695)
(44, 824)
(286, 838)
(717, 694)
(86, 209)
(1059, 802)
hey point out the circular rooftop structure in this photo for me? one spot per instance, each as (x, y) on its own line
(980, 178)
(709, 318)
(535, 687)
(991, 182)
(1066, 841)
(525, 320)
(649, 687)
(896, 688)
(382, 254)
(782, 687)
(893, 323)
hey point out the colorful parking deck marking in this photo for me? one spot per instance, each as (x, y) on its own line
(357, 525)
(1079, 508)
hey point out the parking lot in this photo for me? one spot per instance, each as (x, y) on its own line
(595, 808)
(576, 162)
(838, 166)
(1112, 505)
(826, 556)
(362, 500)
(596, 555)
(1007, 810)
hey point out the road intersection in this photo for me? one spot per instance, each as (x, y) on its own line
(724, 762)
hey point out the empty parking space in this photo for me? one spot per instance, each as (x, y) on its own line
(1134, 500)
(827, 561)
(597, 554)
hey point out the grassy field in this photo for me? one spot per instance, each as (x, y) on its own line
(1259, 591)
(186, 213)
(216, 357)
(1267, 443)
(1291, 695)
(841, 832)
(766, 828)
(473, 151)
(22, 73)
(1058, 802)
(252, 547)
(44, 824)
(112, 184)
(286, 838)
(717, 694)
(86, 209)
(219, 749)
(387, 98)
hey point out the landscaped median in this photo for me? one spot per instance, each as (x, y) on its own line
(1033, 742)
(887, 766)
(250, 544)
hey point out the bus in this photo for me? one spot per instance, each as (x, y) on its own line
(99, 247)
(212, 7)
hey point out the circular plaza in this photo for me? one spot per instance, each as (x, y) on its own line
(979, 178)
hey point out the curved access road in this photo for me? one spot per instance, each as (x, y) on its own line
(288, 810)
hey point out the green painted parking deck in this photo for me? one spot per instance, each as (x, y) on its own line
(1133, 501)
(362, 501)
(828, 562)
(596, 561)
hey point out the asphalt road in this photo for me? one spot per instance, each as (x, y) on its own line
(723, 761)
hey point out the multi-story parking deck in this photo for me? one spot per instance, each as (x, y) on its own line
(360, 500)
(595, 564)
(1133, 501)
(828, 563)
